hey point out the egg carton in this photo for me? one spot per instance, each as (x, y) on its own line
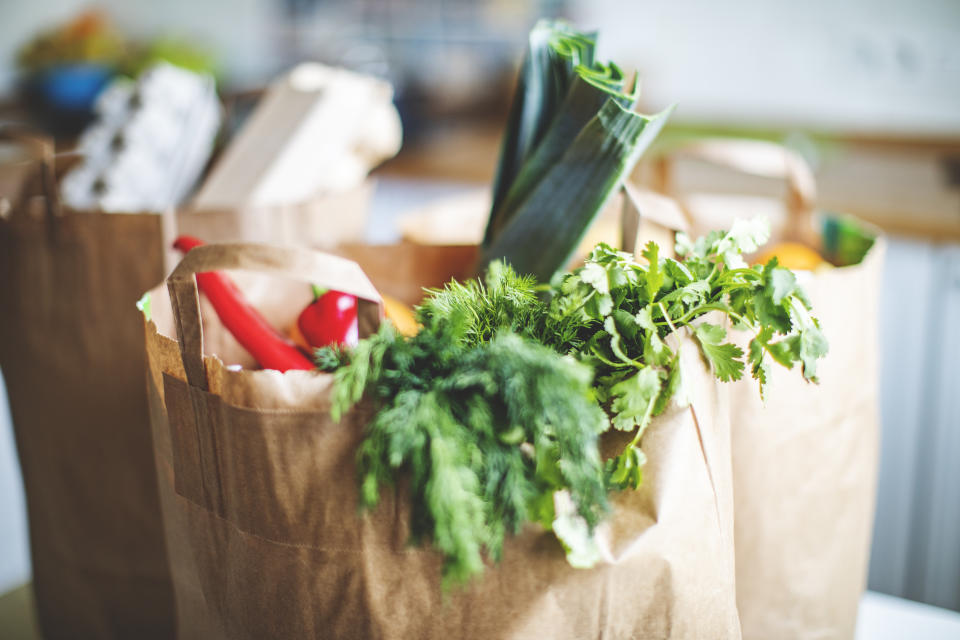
(149, 145)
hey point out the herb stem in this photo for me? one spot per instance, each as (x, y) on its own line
(747, 272)
(704, 308)
(644, 422)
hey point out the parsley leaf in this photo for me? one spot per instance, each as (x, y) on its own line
(723, 356)
(813, 346)
(780, 282)
(654, 279)
(634, 399)
(759, 366)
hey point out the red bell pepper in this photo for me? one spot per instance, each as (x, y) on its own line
(267, 345)
(330, 319)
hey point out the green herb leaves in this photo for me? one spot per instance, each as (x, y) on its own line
(723, 356)
(634, 399)
(487, 434)
(627, 310)
(494, 409)
(764, 300)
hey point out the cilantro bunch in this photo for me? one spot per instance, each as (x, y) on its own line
(627, 312)
(494, 409)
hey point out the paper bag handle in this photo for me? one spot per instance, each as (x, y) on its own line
(41, 148)
(756, 158)
(313, 267)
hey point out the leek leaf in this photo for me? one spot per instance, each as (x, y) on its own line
(546, 228)
(554, 50)
(571, 138)
(586, 98)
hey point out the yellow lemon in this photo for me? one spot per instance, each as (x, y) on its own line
(792, 255)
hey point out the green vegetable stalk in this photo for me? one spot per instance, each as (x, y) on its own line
(572, 137)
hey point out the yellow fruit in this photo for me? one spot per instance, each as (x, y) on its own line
(294, 334)
(792, 255)
(401, 316)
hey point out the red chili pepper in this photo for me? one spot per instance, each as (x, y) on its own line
(267, 345)
(330, 319)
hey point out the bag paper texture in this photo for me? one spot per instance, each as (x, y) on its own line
(71, 355)
(258, 489)
(322, 221)
(805, 469)
(404, 269)
(805, 461)
(71, 352)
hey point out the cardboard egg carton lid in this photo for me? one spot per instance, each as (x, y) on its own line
(318, 129)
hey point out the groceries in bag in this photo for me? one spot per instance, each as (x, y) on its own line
(331, 319)
(324, 128)
(150, 143)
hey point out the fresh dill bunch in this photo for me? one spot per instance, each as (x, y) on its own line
(505, 301)
(485, 433)
(331, 357)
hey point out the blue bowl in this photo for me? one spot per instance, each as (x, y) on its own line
(72, 87)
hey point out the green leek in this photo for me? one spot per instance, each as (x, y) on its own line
(571, 139)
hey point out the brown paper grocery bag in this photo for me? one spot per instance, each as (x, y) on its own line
(805, 468)
(71, 356)
(404, 269)
(460, 220)
(804, 462)
(324, 221)
(260, 504)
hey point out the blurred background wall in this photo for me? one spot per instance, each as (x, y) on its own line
(859, 66)
(867, 90)
(867, 66)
